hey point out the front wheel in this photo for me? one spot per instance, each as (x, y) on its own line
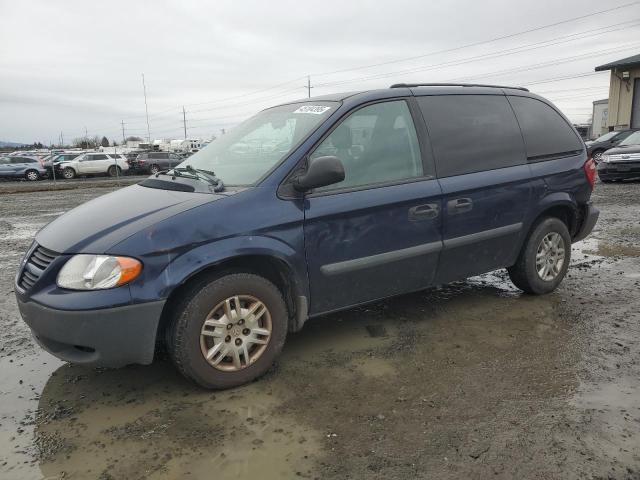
(68, 173)
(32, 175)
(597, 155)
(544, 258)
(227, 331)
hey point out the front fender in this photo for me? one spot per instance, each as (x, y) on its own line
(162, 276)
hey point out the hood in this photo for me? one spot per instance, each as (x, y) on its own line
(623, 149)
(95, 226)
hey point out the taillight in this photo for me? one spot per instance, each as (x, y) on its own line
(590, 171)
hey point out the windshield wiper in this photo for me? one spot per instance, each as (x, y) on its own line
(206, 175)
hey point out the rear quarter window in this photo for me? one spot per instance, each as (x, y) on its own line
(472, 133)
(546, 133)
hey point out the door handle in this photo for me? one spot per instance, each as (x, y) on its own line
(459, 205)
(424, 212)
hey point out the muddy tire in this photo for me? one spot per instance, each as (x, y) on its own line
(68, 173)
(544, 258)
(114, 171)
(227, 331)
(32, 175)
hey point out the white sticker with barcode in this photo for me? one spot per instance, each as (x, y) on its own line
(315, 109)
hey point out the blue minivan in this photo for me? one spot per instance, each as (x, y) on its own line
(307, 208)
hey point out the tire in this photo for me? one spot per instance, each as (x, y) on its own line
(32, 175)
(154, 169)
(597, 155)
(187, 346)
(113, 171)
(68, 173)
(525, 273)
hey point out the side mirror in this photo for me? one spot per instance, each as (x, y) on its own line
(322, 171)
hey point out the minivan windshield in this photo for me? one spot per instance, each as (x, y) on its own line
(246, 153)
(633, 139)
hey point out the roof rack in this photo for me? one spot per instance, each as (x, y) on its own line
(411, 85)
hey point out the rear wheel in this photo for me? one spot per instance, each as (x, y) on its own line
(68, 173)
(227, 331)
(114, 171)
(154, 169)
(544, 259)
(32, 175)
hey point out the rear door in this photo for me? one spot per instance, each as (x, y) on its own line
(377, 233)
(482, 169)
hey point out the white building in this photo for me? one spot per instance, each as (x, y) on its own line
(600, 116)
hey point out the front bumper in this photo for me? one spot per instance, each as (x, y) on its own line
(111, 337)
(618, 170)
(588, 222)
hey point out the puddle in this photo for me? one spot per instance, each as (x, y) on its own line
(147, 422)
(596, 247)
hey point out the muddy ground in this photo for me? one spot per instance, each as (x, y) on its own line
(472, 380)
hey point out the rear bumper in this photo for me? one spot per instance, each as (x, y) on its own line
(589, 221)
(111, 337)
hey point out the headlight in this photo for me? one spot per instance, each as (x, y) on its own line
(96, 272)
(604, 158)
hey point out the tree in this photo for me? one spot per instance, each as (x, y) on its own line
(133, 139)
(114, 143)
(104, 142)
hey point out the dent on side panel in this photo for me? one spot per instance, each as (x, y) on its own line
(255, 223)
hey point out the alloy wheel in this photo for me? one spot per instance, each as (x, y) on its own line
(550, 256)
(32, 176)
(236, 333)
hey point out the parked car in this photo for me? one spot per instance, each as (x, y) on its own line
(56, 160)
(622, 162)
(27, 168)
(220, 266)
(153, 162)
(595, 148)
(94, 164)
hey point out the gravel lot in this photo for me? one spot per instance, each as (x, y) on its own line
(472, 380)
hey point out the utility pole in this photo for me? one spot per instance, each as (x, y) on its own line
(184, 122)
(309, 87)
(61, 139)
(146, 109)
(123, 140)
(86, 138)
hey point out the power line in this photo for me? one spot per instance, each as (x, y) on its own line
(490, 55)
(483, 42)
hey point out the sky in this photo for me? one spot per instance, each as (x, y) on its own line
(69, 65)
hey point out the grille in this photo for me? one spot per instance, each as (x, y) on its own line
(37, 263)
(622, 157)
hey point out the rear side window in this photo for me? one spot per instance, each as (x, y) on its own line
(546, 133)
(472, 133)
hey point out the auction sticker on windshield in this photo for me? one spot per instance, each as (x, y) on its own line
(315, 109)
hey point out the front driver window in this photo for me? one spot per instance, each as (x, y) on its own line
(376, 144)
